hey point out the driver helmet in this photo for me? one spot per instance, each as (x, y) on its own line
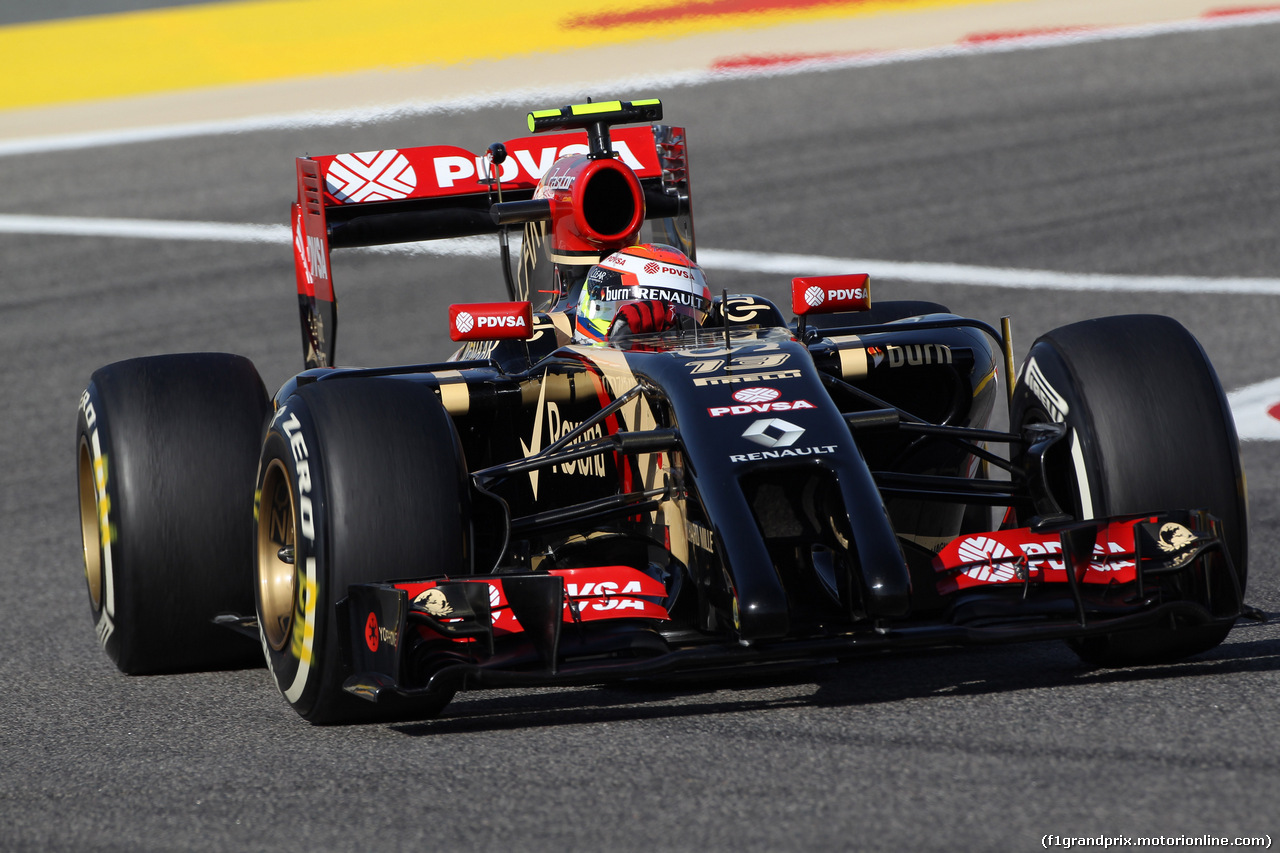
(648, 271)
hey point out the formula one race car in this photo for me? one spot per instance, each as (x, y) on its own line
(692, 484)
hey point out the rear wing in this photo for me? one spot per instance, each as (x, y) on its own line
(435, 192)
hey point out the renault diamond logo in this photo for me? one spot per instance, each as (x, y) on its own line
(774, 432)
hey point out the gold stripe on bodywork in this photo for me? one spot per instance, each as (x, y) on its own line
(853, 363)
(454, 392)
(564, 327)
(560, 388)
(982, 383)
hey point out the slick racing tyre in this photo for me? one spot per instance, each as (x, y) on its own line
(360, 481)
(166, 448)
(1148, 429)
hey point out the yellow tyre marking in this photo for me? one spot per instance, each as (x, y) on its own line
(303, 647)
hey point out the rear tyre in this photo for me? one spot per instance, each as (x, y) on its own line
(360, 481)
(166, 448)
(1149, 429)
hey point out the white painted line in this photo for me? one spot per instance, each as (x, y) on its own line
(1257, 411)
(979, 276)
(712, 259)
(1256, 407)
(143, 229)
(646, 82)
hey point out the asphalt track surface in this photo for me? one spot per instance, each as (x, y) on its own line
(1149, 157)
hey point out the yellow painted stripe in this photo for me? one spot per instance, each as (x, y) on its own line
(593, 109)
(218, 44)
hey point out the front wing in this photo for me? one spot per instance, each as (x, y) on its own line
(411, 639)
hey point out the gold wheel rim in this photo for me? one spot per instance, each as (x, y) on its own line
(90, 526)
(276, 555)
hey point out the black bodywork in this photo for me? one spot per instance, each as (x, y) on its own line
(804, 530)
(820, 548)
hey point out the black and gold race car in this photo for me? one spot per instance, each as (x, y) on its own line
(544, 509)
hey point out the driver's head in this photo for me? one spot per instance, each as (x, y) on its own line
(646, 273)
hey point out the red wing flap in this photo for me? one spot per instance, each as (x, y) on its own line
(591, 594)
(446, 171)
(1020, 555)
(318, 309)
(436, 192)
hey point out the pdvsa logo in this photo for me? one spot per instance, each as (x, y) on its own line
(756, 395)
(816, 296)
(758, 401)
(524, 164)
(501, 323)
(990, 555)
(486, 321)
(825, 294)
(310, 252)
(370, 176)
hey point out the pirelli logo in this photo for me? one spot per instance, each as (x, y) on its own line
(747, 377)
(1055, 405)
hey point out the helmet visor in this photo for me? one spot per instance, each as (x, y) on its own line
(607, 289)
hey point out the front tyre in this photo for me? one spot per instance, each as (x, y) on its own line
(166, 447)
(1148, 429)
(359, 481)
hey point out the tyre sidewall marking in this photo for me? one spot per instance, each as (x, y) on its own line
(302, 643)
(296, 667)
(1083, 490)
(1047, 388)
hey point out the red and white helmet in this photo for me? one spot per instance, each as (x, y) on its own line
(641, 273)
